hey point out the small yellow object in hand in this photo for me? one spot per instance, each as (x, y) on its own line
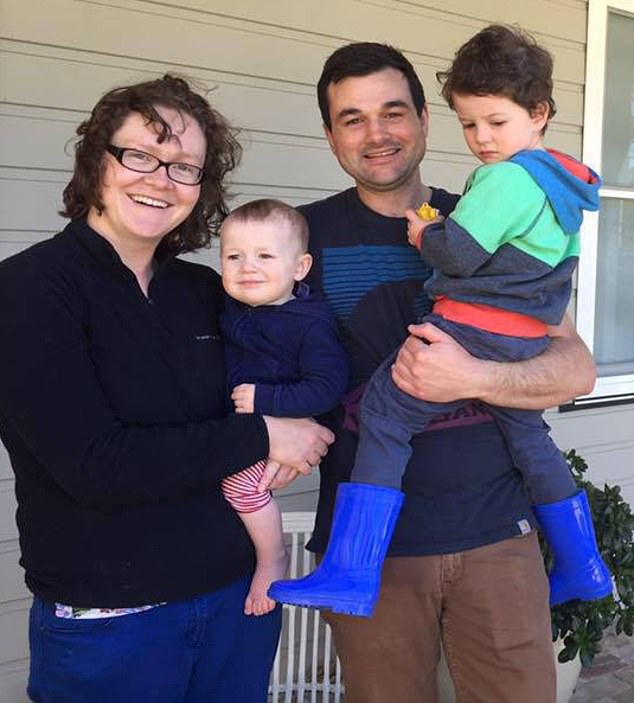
(427, 212)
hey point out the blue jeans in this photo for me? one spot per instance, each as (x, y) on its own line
(204, 650)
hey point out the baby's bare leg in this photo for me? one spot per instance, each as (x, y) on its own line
(265, 529)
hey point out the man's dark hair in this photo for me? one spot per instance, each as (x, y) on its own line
(172, 92)
(501, 60)
(265, 208)
(362, 59)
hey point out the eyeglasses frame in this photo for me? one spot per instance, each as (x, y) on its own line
(119, 151)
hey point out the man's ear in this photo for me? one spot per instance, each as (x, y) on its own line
(304, 263)
(424, 120)
(329, 137)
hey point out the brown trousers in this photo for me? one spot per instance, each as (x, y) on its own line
(489, 606)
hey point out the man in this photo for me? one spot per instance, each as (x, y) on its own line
(464, 565)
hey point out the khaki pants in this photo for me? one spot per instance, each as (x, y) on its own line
(488, 605)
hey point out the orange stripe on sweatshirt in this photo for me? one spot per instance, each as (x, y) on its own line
(490, 319)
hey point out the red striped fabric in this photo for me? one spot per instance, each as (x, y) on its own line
(241, 489)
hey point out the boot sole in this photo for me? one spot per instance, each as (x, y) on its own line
(364, 611)
(598, 594)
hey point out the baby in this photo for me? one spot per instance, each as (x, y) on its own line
(282, 354)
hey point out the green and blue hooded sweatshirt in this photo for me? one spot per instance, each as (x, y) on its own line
(513, 240)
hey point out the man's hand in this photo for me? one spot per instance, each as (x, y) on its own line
(432, 366)
(442, 371)
(243, 397)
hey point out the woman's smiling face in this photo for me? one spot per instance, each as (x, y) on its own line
(141, 208)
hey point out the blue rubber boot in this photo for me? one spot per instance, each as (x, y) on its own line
(349, 576)
(578, 571)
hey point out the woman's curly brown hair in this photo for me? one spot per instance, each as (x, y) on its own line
(223, 154)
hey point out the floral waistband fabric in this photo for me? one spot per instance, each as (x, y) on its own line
(71, 613)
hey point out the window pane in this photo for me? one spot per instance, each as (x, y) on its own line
(614, 320)
(618, 116)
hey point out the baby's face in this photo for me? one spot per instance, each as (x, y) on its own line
(261, 261)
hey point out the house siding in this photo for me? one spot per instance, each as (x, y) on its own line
(261, 62)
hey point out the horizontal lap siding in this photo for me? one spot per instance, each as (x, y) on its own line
(604, 438)
(261, 61)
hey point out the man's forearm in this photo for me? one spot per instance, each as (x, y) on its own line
(442, 371)
(564, 371)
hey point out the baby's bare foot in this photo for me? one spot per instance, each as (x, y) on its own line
(257, 602)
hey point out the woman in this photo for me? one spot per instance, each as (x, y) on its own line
(112, 397)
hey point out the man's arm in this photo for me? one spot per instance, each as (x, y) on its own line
(443, 371)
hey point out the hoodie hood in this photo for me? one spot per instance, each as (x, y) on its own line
(570, 186)
(307, 303)
(304, 303)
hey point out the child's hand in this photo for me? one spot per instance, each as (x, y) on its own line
(415, 228)
(243, 397)
(416, 225)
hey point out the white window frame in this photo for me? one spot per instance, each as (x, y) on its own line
(616, 388)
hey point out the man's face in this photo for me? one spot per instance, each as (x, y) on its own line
(376, 134)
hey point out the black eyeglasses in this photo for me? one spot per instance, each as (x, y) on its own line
(142, 162)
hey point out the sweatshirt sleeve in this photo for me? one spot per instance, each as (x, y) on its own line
(57, 418)
(324, 378)
(501, 203)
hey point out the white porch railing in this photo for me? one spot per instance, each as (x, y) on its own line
(306, 668)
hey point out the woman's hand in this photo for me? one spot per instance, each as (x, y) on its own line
(298, 443)
(276, 476)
